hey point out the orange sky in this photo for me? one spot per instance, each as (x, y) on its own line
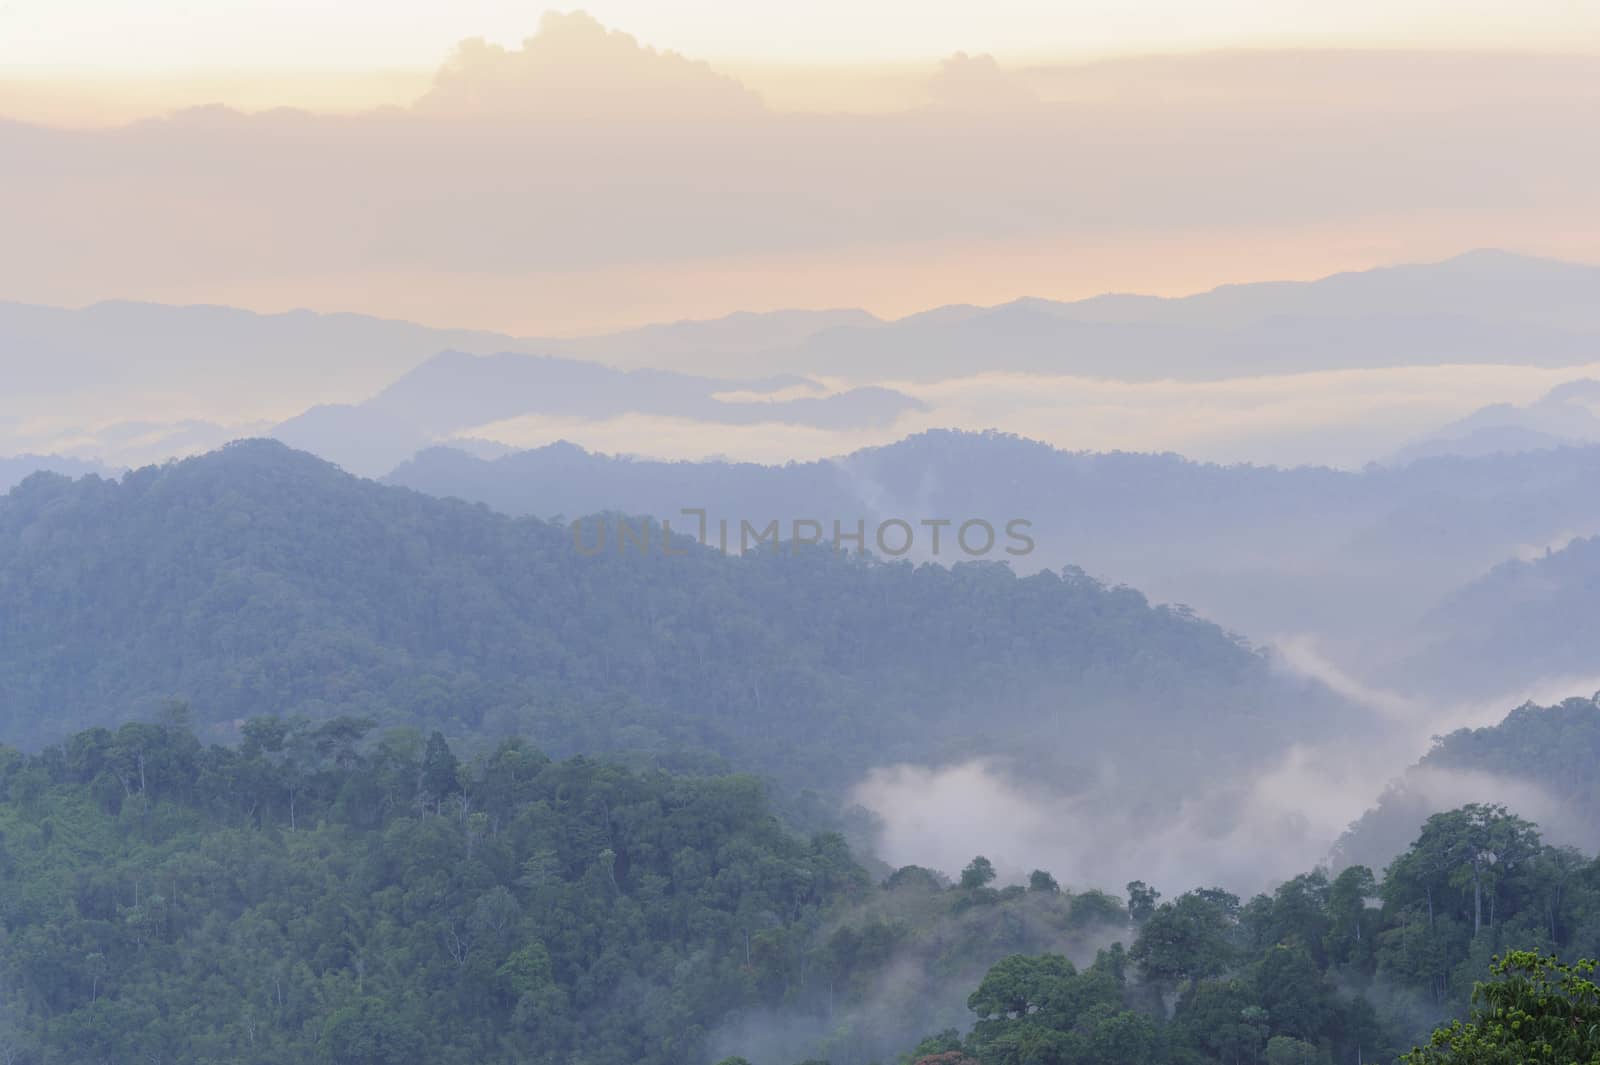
(584, 181)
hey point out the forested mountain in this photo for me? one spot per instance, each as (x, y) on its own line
(324, 893)
(1523, 621)
(309, 897)
(260, 580)
(1318, 971)
(1352, 557)
(1540, 760)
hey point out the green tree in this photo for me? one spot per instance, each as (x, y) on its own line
(978, 873)
(1188, 938)
(1535, 1011)
(1348, 917)
(1142, 899)
(441, 772)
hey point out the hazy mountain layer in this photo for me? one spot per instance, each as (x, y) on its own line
(131, 383)
(1527, 619)
(1564, 416)
(456, 392)
(1483, 307)
(1352, 557)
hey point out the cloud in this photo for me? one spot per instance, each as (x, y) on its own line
(976, 82)
(575, 69)
(1342, 418)
(1240, 835)
(1244, 833)
(583, 181)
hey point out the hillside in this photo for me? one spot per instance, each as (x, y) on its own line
(1523, 623)
(1356, 557)
(317, 895)
(260, 580)
(1539, 761)
(327, 893)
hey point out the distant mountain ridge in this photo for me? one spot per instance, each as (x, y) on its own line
(456, 392)
(211, 353)
(129, 384)
(1484, 306)
(1481, 307)
(1564, 416)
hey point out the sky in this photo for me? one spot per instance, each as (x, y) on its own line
(489, 165)
(166, 35)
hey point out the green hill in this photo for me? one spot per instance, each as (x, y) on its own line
(259, 580)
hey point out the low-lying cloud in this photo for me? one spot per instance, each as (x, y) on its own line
(1343, 418)
(1245, 833)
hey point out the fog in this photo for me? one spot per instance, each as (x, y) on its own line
(1243, 833)
(1339, 418)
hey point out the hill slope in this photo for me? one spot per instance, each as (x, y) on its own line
(257, 579)
(1524, 622)
(1539, 761)
(1268, 551)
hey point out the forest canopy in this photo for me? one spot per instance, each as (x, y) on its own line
(325, 891)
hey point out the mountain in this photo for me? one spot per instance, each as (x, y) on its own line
(111, 354)
(730, 336)
(136, 361)
(1563, 416)
(1482, 307)
(335, 896)
(1025, 339)
(1350, 556)
(117, 367)
(1539, 761)
(456, 392)
(261, 580)
(1490, 283)
(324, 893)
(1526, 621)
(130, 384)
